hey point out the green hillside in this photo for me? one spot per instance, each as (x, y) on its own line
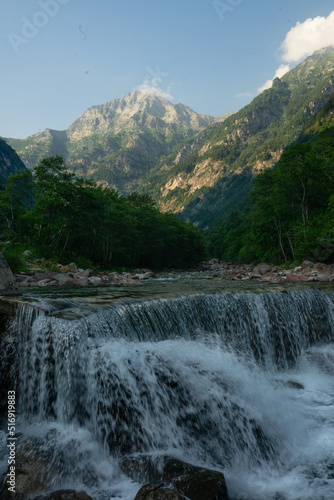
(216, 176)
(290, 214)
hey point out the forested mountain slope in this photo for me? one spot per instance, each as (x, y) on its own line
(211, 175)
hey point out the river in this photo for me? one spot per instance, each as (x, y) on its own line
(235, 378)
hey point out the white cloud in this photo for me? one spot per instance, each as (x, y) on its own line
(302, 40)
(307, 37)
(284, 68)
(151, 86)
(244, 94)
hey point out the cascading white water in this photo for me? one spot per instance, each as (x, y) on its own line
(241, 383)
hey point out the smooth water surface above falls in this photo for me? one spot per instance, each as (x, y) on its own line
(238, 382)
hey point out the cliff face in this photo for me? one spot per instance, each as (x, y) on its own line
(10, 162)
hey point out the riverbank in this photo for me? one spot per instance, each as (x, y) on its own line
(71, 275)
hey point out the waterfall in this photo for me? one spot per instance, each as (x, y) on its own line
(242, 383)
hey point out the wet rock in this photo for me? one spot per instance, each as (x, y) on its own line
(65, 495)
(294, 385)
(151, 492)
(196, 483)
(7, 282)
(33, 475)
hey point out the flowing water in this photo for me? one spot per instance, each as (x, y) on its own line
(242, 383)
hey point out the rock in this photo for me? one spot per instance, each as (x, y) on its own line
(27, 254)
(105, 279)
(149, 274)
(33, 474)
(87, 273)
(64, 279)
(294, 385)
(64, 269)
(326, 273)
(50, 274)
(45, 282)
(293, 277)
(26, 282)
(20, 277)
(262, 268)
(7, 282)
(40, 276)
(306, 263)
(272, 278)
(320, 265)
(81, 281)
(94, 280)
(151, 492)
(72, 267)
(196, 483)
(65, 495)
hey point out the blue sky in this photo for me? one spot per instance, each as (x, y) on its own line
(59, 57)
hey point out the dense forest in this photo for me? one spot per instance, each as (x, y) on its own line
(290, 213)
(65, 217)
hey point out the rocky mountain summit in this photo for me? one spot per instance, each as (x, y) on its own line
(119, 142)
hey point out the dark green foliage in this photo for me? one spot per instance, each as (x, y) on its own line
(290, 213)
(10, 162)
(68, 217)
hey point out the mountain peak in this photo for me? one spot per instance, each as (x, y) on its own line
(142, 109)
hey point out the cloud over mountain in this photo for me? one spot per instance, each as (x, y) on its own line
(303, 40)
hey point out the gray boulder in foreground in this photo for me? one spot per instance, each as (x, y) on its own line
(7, 282)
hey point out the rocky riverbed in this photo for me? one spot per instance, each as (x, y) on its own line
(71, 275)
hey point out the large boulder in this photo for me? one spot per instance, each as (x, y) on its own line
(151, 492)
(196, 483)
(7, 282)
